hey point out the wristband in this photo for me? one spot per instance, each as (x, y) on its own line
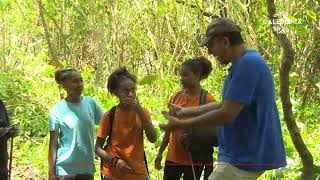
(114, 161)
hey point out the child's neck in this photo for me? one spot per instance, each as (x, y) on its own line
(193, 91)
(73, 99)
(123, 107)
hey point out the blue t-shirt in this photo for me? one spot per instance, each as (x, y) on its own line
(254, 140)
(75, 123)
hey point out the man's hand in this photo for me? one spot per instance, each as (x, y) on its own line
(173, 122)
(123, 166)
(175, 110)
(178, 111)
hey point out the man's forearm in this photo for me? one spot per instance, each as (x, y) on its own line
(212, 118)
(195, 111)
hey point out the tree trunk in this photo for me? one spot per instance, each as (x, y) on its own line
(53, 57)
(286, 63)
(223, 9)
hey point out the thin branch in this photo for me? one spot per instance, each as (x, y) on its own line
(207, 14)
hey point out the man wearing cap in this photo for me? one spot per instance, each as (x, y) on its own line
(249, 131)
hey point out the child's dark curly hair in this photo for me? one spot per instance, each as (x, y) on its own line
(61, 75)
(199, 65)
(116, 77)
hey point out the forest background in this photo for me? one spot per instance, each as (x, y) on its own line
(151, 38)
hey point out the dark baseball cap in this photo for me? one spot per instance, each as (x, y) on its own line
(219, 26)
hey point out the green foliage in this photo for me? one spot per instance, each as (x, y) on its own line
(23, 104)
(150, 38)
(149, 79)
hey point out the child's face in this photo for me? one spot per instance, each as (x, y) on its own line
(73, 84)
(188, 79)
(127, 89)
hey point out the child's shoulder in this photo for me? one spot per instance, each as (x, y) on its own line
(146, 110)
(209, 97)
(88, 99)
(177, 94)
(61, 105)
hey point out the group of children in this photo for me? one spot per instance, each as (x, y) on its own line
(119, 142)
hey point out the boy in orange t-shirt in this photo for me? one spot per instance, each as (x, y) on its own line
(123, 156)
(178, 159)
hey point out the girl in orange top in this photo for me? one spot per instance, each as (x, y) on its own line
(178, 160)
(123, 156)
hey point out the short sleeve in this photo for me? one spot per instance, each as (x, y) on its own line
(172, 98)
(53, 121)
(148, 114)
(243, 82)
(104, 126)
(210, 98)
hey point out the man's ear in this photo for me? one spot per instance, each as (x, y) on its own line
(226, 41)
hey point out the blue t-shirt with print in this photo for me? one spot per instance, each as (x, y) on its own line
(254, 140)
(75, 123)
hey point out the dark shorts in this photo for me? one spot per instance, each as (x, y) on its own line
(3, 165)
(174, 171)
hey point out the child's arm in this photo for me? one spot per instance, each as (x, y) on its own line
(53, 146)
(163, 146)
(145, 120)
(115, 161)
(100, 151)
(147, 126)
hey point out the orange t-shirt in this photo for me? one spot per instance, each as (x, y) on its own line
(126, 143)
(176, 151)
